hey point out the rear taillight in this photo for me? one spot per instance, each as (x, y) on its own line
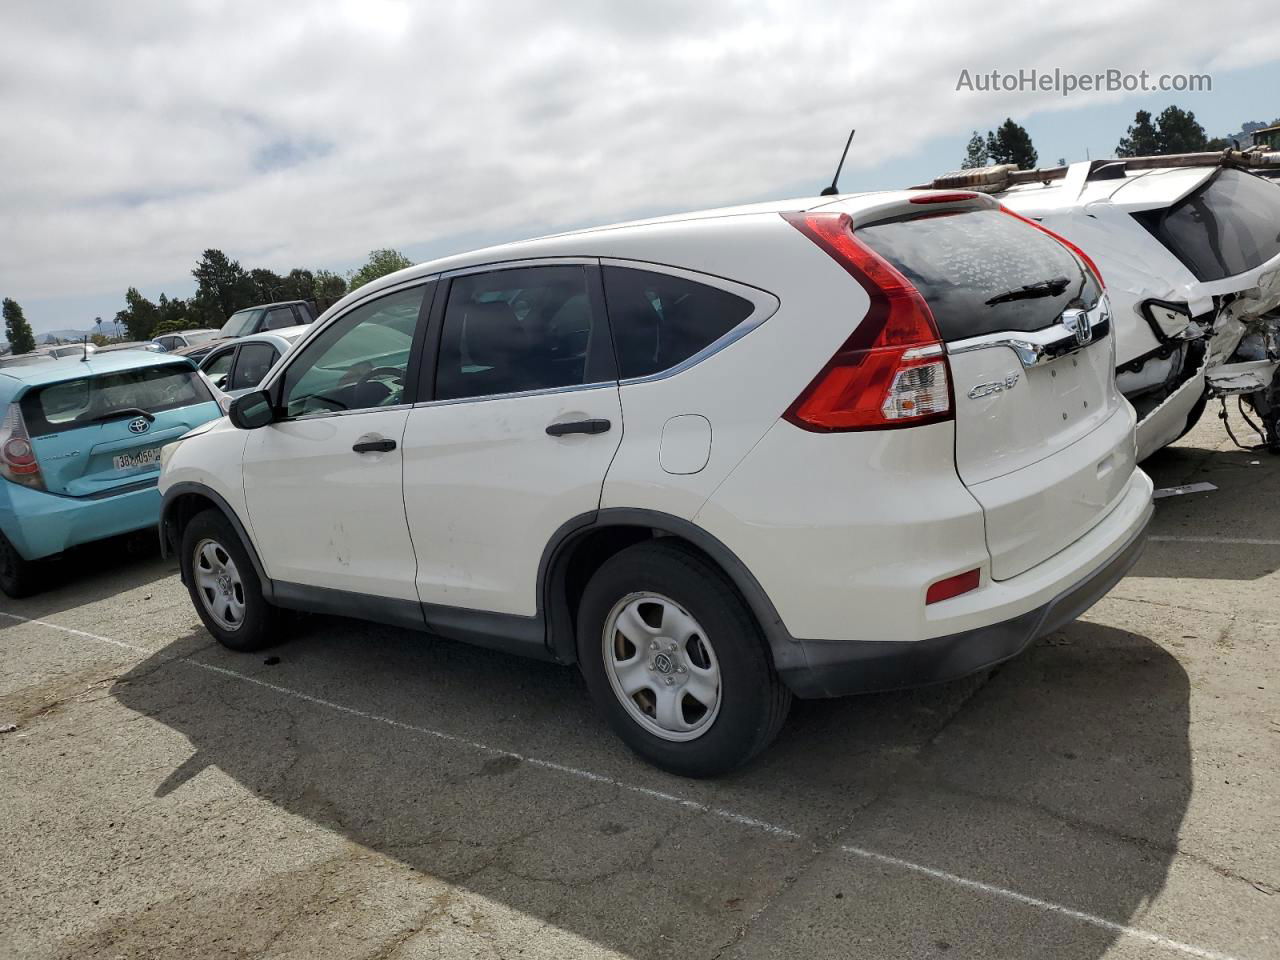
(17, 458)
(1084, 257)
(892, 371)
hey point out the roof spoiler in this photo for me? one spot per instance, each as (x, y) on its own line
(1002, 176)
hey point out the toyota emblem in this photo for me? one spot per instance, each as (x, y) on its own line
(139, 425)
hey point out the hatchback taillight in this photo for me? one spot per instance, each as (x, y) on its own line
(892, 371)
(17, 458)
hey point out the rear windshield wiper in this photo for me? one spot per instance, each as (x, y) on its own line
(1032, 291)
(119, 413)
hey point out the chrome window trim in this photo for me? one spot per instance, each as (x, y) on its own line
(328, 414)
(1038, 347)
(544, 391)
(764, 302)
(498, 265)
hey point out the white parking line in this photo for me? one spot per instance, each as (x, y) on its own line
(1248, 541)
(742, 819)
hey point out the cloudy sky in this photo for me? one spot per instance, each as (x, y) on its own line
(291, 133)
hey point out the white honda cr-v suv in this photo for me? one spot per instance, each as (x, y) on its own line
(819, 447)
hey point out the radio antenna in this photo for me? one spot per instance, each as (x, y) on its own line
(832, 190)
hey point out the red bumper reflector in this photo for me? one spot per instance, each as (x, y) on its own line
(953, 586)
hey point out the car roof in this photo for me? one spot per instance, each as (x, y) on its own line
(72, 368)
(273, 303)
(288, 334)
(183, 333)
(577, 242)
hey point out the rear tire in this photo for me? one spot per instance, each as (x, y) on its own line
(18, 577)
(658, 620)
(224, 585)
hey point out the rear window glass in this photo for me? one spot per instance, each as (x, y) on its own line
(1229, 226)
(79, 403)
(659, 320)
(961, 261)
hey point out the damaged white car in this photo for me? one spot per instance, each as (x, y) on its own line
(1189, 249)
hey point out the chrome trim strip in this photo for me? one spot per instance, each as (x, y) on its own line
(1038, 347)
(341, 413)
(545, 391)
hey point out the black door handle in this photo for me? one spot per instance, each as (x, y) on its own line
(579, 426)
(374, 446)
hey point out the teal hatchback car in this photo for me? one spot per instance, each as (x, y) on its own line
(80, 447)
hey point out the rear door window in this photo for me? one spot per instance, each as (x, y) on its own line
(1229, 226)
(660, 320)
(87, 400)
(509, 331)
(962, 262)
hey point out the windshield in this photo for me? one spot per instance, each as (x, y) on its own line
(241, 324)
(1228, 226)
(201, 336)
(971, 268)
(77, 403)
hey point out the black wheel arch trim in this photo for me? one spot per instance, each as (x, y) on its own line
(553, 568)
(169, 542)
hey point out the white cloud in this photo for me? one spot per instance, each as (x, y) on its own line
(291, 133)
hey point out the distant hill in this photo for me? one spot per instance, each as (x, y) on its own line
(53, 335)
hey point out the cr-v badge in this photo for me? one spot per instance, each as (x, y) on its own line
(995, 386)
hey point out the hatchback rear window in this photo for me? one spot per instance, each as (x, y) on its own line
(1228, 226)
(961, 262)
(78, 403)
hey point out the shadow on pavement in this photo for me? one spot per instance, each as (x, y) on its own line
(93, 572)
(1066, 775)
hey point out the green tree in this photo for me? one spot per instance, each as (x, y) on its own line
(1010, 143)
(171, 316)
(298, 284)
(975, 154)
(1179, 132)
(1174, 131)
(329, 288)
(21, 337)
(380, 263)
(1141, 140)
(222, 287)
(268, 286)
(140, 315)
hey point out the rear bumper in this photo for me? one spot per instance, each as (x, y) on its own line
(40, 524)
(834, 668)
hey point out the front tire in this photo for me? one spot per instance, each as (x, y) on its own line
(676, 662)
(224, 585)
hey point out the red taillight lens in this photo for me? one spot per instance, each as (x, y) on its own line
(952, 586)
(17, 458)
(892, 371)
(1084, 257)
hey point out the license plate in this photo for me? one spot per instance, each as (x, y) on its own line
(143, 458)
